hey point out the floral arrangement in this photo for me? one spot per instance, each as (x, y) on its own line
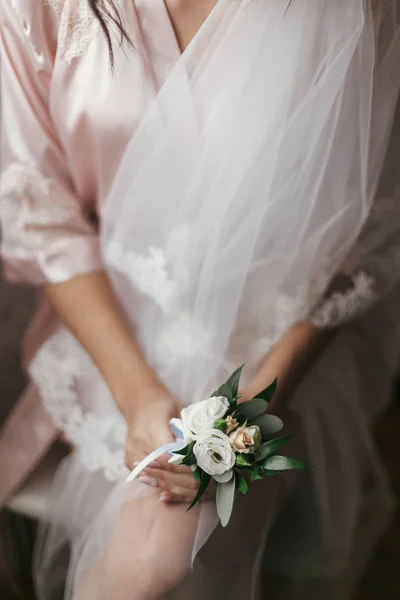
(227, 441)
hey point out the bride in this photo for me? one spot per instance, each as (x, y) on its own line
(193, 184)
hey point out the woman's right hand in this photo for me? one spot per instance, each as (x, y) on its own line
(148, 418)
(148, 429)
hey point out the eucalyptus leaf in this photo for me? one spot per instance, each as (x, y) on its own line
(269, 392)
(205, 479)
(252, 408)
(225, 477)
(241, 484)
(225, 498)
(268, 424)
(283, 463)
(270, 447)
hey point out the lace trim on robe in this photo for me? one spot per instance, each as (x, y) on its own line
(58, 368)
(29, 216)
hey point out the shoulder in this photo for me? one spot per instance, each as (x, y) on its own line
(32, 26)
(54, 28)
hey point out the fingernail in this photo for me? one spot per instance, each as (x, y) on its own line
(148, 480)
(164, 497)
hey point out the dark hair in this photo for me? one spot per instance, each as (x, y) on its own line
(106, 12)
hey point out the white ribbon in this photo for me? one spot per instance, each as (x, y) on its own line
(177, 430)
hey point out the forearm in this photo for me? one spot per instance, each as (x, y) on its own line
(89, 308)
(288, 361)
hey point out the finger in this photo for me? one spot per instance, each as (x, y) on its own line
(170, 498)
(182, 479)
(176, 493)
(162, 464)
(170, 481)
(167, 466)
(173, 490)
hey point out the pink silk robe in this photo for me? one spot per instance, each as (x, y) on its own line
(66, 120)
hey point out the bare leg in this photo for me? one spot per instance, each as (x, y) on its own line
(149, 552)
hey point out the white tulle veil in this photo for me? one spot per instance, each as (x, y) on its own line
(241, 192)
(246, 182)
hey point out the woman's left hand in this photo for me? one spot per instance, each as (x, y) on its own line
(175, 482)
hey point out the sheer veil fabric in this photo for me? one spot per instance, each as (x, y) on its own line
(245, 186)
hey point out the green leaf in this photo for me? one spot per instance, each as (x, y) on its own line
(233, 381)
(241, 484)
(205, 479)
(197, 473)
(241, 461)
(182, 452)
(224, 390)
(233, 404)
(225, 498)
(268, 424)
(268, 448)
(255, 475)
(269, 392)
(221, 425)
(189, 460)
(229, 389)
(283, 463)
(252, 408)
(225, 477)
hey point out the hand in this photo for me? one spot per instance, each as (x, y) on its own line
(148, 429)
(175, 482)
(148, 423)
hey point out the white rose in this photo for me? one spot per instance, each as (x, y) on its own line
(214, 453)
(201, 416)
(246, 439)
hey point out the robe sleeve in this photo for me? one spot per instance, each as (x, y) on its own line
(46, 234)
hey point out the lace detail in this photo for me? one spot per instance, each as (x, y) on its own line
(56, 5)
(29, 214)
(341, 307)
(58, 369)
(148, 273)
(78, 27)
(182, 339)
(163, 276)
(373, 265)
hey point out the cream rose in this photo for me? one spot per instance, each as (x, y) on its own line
(214, 453)
(201, 416)
(231, 424)
(246, 439)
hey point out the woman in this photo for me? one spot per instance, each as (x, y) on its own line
(189, 197)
